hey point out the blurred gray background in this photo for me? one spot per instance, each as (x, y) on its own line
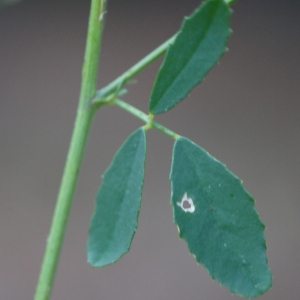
(245, 114)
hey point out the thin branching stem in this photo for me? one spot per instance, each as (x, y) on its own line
(126, 77)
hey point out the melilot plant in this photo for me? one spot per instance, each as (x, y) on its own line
(214, 214)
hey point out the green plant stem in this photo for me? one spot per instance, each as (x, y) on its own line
(79, 138)
(144, 117)
(118, 83)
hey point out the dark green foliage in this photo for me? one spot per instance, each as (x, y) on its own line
(215, 215)
(220, 224)
(118, 203)
(198, 47)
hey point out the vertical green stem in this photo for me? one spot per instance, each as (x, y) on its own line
(78, 142)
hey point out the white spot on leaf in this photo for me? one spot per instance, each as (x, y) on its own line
(186, 204)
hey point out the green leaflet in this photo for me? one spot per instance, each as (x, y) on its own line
(114, 222)
(216, 217)
(197, 48)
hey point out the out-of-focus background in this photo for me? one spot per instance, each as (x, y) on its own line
(246, 114)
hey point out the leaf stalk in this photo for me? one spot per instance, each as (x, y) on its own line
(127, 76)
(148, 119)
